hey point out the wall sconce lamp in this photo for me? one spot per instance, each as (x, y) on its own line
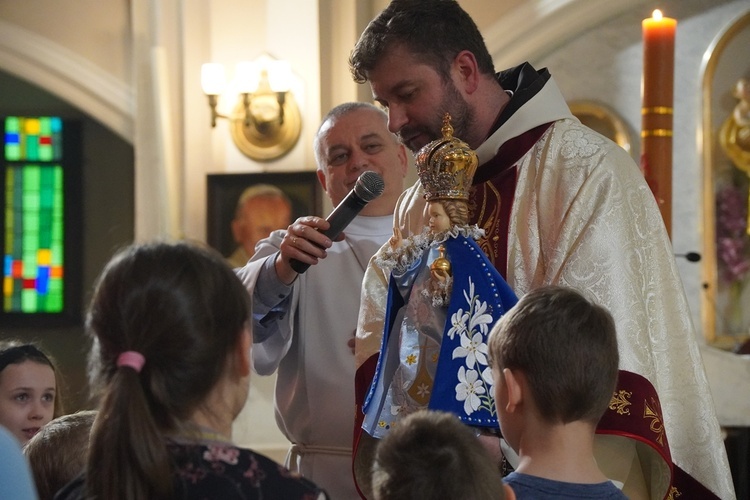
(265, 123)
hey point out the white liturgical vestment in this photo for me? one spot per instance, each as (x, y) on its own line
(583, 216)
(308, 344)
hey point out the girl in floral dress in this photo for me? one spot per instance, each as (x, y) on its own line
(171, 362)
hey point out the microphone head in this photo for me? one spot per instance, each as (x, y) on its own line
(690, 256)
(369, 186)
(693, 256)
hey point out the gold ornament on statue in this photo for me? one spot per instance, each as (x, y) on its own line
(439, 284)
(735, 132)
(446, 166)
(441, 266)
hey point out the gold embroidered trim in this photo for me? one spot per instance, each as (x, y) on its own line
(673, 493)
(620, 402)
(656, 425)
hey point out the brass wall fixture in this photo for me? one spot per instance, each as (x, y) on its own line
(265, 122)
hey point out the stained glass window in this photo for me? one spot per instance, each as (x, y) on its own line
(33, 229)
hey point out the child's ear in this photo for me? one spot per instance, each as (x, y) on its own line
(513, 386)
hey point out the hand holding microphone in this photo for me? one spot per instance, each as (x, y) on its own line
(369, 186)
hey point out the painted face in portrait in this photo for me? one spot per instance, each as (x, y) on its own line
(258, 217)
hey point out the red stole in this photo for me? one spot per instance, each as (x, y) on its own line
(492, 196)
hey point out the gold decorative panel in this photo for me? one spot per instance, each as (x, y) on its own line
(725, 140)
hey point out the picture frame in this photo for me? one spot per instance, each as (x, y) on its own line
(224, 190)
(725, 316)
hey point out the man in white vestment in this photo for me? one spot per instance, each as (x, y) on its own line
(304, 324)
(560, 205)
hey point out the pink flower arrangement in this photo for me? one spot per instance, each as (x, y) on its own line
(732, 242)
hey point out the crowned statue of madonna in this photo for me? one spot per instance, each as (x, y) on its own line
(444, 296)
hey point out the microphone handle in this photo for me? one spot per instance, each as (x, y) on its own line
(299, 266)
(341, 216)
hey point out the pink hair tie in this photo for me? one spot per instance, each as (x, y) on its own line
(134, 360)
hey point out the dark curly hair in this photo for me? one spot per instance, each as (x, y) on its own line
(436, 30)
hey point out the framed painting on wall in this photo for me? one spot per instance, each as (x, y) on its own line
(301, 192)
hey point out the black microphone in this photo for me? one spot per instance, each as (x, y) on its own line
(690, 256)
(369, 186)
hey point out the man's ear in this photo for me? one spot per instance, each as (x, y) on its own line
(467, 71)
(321, 178)
(244, 354)
(403, 160)
(513, 386)
(236, 225)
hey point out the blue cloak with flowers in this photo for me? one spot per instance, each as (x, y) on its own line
(434, 355)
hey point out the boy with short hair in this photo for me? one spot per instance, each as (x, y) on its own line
(432, 455)
(57, 453)
(555, 362)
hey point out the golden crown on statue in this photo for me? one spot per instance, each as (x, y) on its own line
(446, 166)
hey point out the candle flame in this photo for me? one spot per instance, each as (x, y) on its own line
(657, 15)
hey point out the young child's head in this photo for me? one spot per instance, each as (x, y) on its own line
(563, 348)
(171, 328)
(443, 213)
(57, 453)
(432, 455)
(29, 389)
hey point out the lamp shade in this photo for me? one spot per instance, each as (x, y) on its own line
(247, 76)
(213, 78)
(279, 75)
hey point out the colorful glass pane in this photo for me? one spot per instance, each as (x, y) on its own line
(33, 216)
(33, 139)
